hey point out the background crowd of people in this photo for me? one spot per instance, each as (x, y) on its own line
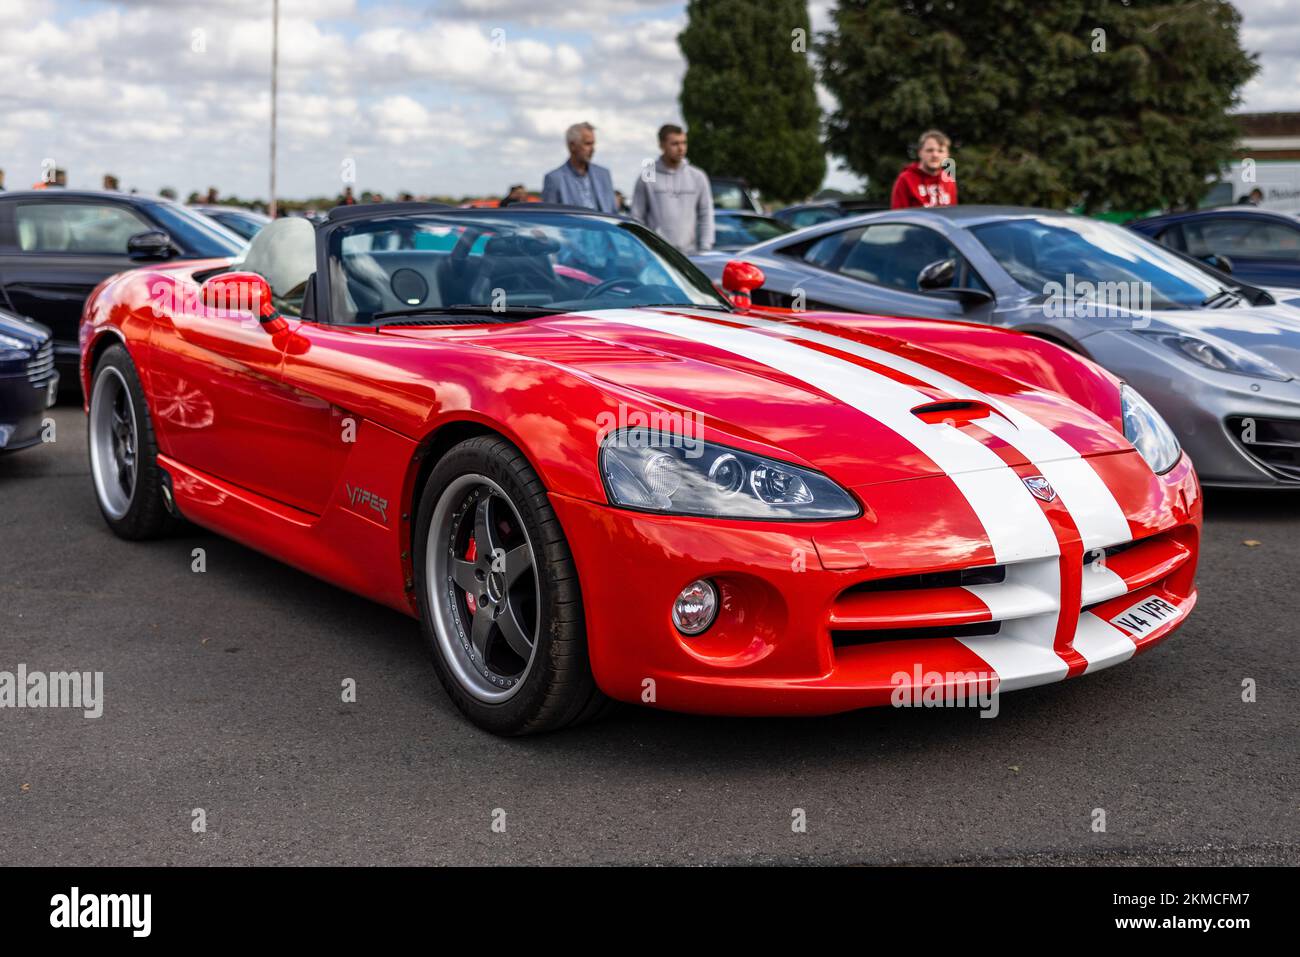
(671, 196)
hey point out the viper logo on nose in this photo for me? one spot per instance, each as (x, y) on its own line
(1040, 488)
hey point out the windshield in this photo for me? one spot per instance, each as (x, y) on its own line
(244, 225)
(526, 261)
(730, 195)
(738, 231)
(1084, 258)
(199, 235)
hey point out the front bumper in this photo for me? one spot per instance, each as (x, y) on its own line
(1205, 408)
(804, 629)
(22, 408)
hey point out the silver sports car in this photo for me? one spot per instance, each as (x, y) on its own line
(1219, 360)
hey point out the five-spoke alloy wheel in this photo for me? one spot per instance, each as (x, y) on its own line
(484, 583)
(498, 593)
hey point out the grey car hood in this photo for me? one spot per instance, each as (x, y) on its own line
(1269, 331)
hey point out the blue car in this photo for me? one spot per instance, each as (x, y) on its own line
(736, 229)
(1258, 246)
(29, 383)
(244, 223)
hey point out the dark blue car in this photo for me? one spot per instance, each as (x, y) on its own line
(29, 383)
(56, 245)
(1260, 246)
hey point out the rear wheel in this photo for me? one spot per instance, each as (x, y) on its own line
(499, 595)
(123, 452)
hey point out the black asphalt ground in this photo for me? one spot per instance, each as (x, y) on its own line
(223, 692)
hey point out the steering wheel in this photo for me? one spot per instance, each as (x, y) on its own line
(608, 284)
(460, 252)
(456, 265)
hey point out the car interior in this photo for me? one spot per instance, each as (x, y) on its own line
(886, 254)
(893, 254)
(393, 266)
(75, 227)
(397, 265)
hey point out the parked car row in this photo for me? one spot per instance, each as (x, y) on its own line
(592, 475)
(886, 444)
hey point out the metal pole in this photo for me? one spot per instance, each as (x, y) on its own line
(275, 62)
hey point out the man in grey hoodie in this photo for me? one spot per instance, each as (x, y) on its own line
(673, 198)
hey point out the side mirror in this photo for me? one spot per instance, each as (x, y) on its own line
(241, 293)
(937, 275)
(1218, 261)
(740, 279)
(154, 244)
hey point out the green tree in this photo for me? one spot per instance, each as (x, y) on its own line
(748, 96)
(1104, 104)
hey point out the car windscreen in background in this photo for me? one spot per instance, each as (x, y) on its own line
(199, 235)
(1051, 255)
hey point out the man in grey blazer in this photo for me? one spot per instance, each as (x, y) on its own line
(579, 181)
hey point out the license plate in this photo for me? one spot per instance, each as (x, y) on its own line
(1146, 616)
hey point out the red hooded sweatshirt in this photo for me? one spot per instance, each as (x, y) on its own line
(916, 187)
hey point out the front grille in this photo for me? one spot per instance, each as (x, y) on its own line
(847, 639)
(1273, 443)
(1019, 601)
(1120, 569)
(941, 604)
(41, 365)
(983, 575)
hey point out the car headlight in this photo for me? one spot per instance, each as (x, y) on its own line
(11, 348)
(664, 472)
(1220, 356)
(1149, 433)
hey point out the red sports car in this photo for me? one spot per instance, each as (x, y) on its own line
(591, 475)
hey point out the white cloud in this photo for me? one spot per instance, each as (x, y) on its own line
(421, 95)
(1271, 28)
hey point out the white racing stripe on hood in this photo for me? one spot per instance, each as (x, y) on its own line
(1016, 527)
(1091, 504)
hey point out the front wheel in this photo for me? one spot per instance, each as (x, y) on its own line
(499, 595)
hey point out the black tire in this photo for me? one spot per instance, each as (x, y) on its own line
(145, 515)
(557, 689)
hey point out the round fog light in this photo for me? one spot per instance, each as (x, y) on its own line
(696, 607)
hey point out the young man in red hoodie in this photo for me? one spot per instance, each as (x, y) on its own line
(926, 182)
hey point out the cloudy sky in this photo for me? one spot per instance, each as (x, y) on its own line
(433, 96)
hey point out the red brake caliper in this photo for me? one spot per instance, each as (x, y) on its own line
(470, 555)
